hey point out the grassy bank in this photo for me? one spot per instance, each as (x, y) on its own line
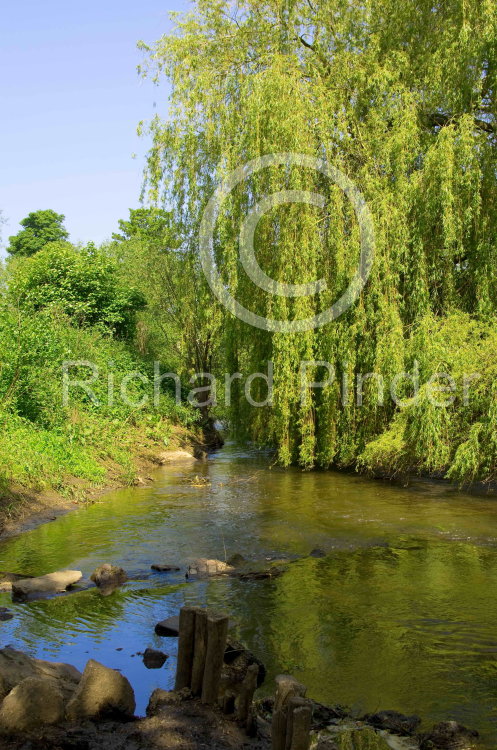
(61, 439)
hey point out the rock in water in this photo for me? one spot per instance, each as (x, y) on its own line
(203, 567)
(164, 568)
(168, 627)
(236, 560)
(317, 552)
(449, 735)
(154, 659)
(16, 667)
(108, 577)
(102, 692)
(52, 583)
(34, 702)
(7, 579)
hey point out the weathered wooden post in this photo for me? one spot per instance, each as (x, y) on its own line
(298, 725)
(217, 633)
(292, 714)
(199, 651)
(246, 695)
(186, 643)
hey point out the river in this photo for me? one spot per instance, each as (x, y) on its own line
(400, 614)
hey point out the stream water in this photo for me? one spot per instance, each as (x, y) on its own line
(400, 614)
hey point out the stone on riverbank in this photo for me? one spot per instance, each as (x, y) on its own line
(102, 692)
(108, 578)
(34, 702)
(16, 666)
(160, 699)
(52, 583)
(449, 735)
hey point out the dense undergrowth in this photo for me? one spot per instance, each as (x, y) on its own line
(54, 435)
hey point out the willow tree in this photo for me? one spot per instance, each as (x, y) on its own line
(400, 97)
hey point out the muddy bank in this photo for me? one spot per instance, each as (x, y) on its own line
(23, 508)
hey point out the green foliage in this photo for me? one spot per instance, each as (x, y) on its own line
(401, 97)
(179, 326)
(81, 282)
(40, 228)
(45, 441)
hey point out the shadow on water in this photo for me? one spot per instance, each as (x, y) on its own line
(400, 613)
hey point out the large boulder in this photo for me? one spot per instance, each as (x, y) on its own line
(15, 666)
(52, 583)
(108, 577)
(449, 735)
(34, 702)
(101, 693)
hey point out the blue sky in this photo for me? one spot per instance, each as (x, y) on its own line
(71, 101)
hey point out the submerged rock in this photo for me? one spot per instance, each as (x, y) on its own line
(168, 627)
(260, 575)
(108, 577)
(317, 552)
(236, 560)
(449, 735)
(164, 568)
(102, 692)
(154, 659)
(52, 583)
(34, 702)
(5, 614)
(393, 721)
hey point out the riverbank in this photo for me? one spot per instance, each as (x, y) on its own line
(23, 507)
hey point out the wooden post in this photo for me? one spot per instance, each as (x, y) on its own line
(199, 651)
(217, 633)
(185, 648)
(287, 687)
(246, 694)
(301, 727)
(298, 724)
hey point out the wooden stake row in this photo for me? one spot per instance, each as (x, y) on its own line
(201, 647)
(292, 715)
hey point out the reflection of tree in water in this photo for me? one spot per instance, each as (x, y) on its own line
(385, 627)
(88, 612)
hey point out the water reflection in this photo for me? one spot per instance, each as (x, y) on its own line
(400, 613)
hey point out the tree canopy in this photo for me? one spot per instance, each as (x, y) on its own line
(40, 228)
(81, 282)
(400, 96)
